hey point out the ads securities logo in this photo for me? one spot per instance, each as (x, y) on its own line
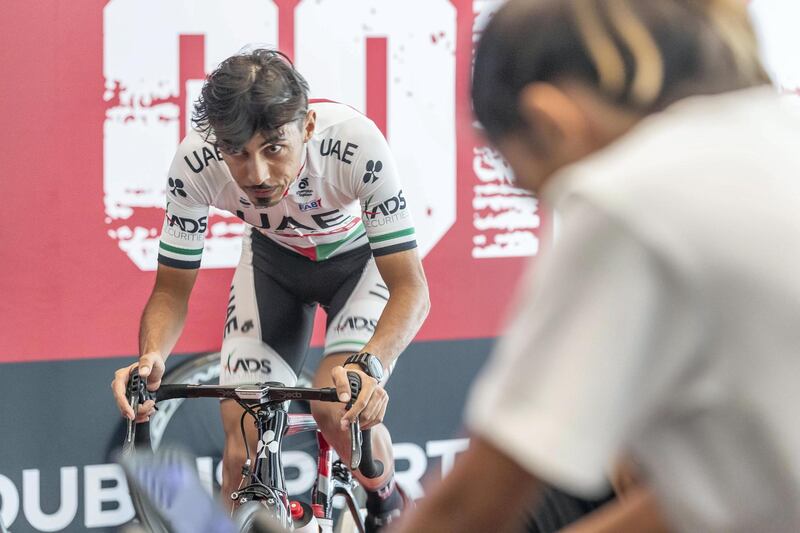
(150, 90)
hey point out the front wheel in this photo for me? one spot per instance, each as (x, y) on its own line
(255, 517)
(245, 515)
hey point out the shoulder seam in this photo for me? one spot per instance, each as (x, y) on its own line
(346, 121)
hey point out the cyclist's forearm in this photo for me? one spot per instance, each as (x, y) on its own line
(162, 323)
(402, 317)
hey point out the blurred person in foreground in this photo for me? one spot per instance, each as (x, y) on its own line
(663, 324)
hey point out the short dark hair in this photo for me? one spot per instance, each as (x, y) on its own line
(256, 91)
(640, 55)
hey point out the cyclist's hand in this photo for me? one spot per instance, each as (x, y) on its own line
(371, 404)
(151, 367)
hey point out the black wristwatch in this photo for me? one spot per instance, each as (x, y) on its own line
(370, 364)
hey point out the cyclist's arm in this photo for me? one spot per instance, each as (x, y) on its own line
(160, 327)
(179, 253)
(402, 317)
(374, 179)
(165, 312)
(406, 309)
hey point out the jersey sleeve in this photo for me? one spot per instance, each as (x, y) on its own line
(185, 219)
(375, 182)
(601, 336)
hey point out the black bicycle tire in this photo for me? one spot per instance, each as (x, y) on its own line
(244, 516)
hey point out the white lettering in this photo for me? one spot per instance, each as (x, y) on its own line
(9, 497)
(94, 495)
(31, 503)
(447, 450)
(410, 456)
(386, 220)
(178, 234)
(205, 472)
(417, 465)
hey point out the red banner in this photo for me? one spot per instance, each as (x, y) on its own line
(94, 94)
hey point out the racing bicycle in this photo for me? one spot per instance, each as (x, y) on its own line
(263, 488)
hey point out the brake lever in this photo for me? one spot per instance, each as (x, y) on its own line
(134, 394)
(137, 394)
(355, 427)
(355, 445)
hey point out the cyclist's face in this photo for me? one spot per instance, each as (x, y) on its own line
(267, 164)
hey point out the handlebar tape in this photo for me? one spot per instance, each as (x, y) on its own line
(355, 388)
(369, 467)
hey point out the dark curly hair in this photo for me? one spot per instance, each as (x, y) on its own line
(256, 91)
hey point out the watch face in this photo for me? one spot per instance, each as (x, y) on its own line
(375, 367)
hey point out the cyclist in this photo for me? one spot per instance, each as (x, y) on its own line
(662, 326)
(327, 224)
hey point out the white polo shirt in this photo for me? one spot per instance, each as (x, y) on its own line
(665, 322)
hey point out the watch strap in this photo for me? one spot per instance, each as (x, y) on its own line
(362, 359)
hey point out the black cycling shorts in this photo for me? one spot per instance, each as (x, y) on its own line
(273, 301)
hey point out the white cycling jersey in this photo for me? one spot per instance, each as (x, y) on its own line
(346, 194)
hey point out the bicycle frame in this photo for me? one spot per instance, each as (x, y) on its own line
(273, 423)
(267, 403)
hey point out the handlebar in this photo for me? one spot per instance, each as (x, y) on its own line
(254, 395)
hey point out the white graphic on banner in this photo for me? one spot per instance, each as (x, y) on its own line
(152, 85)
(505, 217)
(10, 498)
(419, 68)
(32, 505)
(145, 71)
